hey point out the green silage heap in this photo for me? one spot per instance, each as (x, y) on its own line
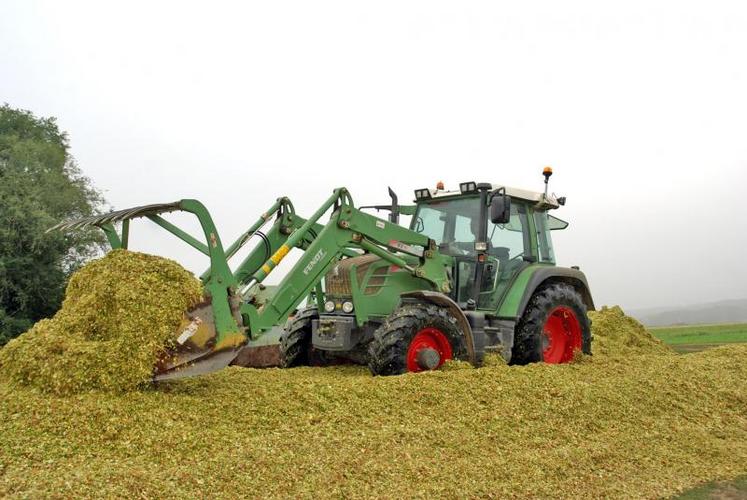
(118, 315)
(617, 335)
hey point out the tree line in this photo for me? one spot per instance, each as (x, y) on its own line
(40, 185)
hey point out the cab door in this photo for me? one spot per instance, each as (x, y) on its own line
(509, 252)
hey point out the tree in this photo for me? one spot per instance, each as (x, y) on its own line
(40, 185)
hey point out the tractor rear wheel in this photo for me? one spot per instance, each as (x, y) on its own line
(553, 327)
(295, 342)
(414, 338)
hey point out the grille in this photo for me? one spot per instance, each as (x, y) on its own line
(376, 282)
(337, 281)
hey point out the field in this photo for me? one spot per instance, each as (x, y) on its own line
(693, 338)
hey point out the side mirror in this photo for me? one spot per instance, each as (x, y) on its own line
(500, 209)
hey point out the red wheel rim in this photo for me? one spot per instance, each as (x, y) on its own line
(428, 338)
(561, 336)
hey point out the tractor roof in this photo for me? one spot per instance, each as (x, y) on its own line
(523, 194)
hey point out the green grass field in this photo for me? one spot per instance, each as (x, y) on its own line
(691, 338)
(718, 490)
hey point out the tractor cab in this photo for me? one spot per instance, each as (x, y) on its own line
(491, 232)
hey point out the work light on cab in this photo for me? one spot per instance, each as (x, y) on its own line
(468, 187)
(422, 194)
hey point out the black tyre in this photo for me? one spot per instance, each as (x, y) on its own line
(415, 337)
(295, 342)
(553, 327)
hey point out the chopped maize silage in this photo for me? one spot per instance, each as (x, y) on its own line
(617, 335)
(118, 314)
(636, 426)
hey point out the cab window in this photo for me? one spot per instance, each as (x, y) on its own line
(511, 238)
(544, 223)
(452, 224)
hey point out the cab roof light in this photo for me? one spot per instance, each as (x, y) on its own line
(468, 187)
(422, 194)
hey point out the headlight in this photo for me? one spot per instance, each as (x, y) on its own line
(329, 306)
(347, 307)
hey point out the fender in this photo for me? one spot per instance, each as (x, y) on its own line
(445, 301)
(531, 278)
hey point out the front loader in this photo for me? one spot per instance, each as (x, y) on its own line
(473, 273)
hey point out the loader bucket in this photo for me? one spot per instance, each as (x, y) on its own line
(199, 345)
(195, 350)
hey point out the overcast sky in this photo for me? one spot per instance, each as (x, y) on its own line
(640, 107)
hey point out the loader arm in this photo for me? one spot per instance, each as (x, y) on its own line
(286, 223)
(348, 230)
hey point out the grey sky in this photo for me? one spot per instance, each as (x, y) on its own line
(639, 106)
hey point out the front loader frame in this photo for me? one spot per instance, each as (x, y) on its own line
(348, 233)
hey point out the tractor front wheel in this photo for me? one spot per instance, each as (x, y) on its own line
(415, 337)
(553, 328)
(295, 342)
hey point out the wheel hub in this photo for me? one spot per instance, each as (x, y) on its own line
(428, 359)
(428, 350)
(561, 335)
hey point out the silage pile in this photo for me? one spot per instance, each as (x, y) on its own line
(644, 426)
(119, 312)
(617, 335)
(631, 421)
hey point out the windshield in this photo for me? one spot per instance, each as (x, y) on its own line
(448, 221)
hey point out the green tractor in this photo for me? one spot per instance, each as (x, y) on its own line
(500, 290)
(474, 273)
